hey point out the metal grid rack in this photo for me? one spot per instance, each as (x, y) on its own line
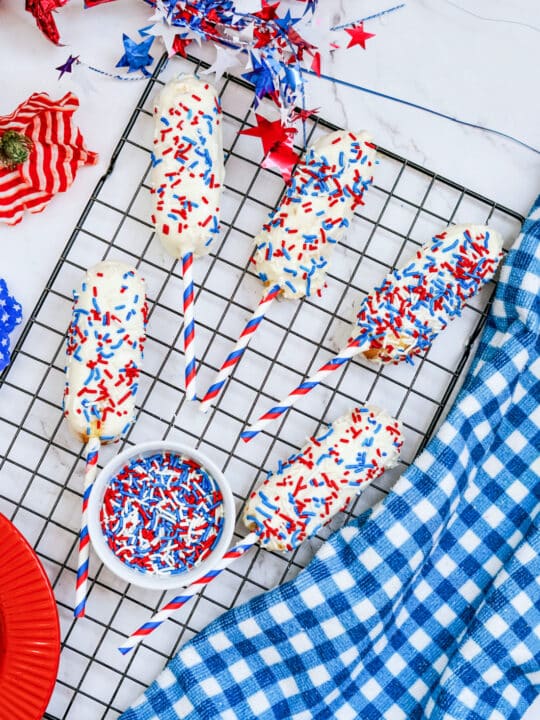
(41, 467)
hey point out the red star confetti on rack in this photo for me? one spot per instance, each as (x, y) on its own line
(180, 44)
(358, 35)
(267, 11)
(271, 132)
(277, 144)
(283, 158)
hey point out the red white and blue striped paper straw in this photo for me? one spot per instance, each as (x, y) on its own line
(233, 358)
(347, 354)
(92, 454)
(189, 326)
(180, 600)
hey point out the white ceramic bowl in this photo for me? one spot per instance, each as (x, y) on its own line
(150, 580)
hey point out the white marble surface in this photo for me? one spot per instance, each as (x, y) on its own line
(430, 53)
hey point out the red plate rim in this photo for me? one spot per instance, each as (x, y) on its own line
(29, 628)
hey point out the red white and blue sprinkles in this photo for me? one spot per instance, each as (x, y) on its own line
(405, 313)
(104, 351)
(305, 492)
(162, 514)
(187, 166)
(294, 247)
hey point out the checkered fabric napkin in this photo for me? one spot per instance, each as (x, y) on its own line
(427, 606)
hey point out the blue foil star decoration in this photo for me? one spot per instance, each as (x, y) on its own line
(136, 55)
(286, 22)
(261, 76)
(291, 77)
(145, 31)
(311, 6)
(67, 67)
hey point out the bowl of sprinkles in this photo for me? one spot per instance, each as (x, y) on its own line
(161, 515)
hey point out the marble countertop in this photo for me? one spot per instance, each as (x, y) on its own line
(471, 59)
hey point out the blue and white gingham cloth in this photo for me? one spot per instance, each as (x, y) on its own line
(427, 606)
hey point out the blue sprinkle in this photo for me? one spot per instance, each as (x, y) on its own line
(289, 284)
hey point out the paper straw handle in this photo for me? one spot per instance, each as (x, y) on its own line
(180, 600)
(91, 452)
(234, 357)
(188, 297)
(354, 347)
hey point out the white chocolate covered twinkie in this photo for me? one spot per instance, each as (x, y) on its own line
(403, 315)
(104, 351)
(294, 247)
(187, 166)
(307, 490)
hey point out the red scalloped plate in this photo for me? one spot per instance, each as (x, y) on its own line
(29, 629)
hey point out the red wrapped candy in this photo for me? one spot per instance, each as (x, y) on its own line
(40, 152)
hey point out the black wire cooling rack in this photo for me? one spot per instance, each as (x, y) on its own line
(41, 466)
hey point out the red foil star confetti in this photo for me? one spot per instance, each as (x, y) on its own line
(41, 150)
(358, 35)
(42, 10)
(277, 142)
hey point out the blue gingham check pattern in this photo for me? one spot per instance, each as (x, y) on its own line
(427, 606)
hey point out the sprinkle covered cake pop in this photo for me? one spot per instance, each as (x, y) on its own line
(307, 490)
(104, 352)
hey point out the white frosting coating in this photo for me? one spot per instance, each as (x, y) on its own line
(188, 171)
(404, 314)
(104, 351)
(307, 490)
(294, 247)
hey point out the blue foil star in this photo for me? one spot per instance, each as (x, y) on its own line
(136, 55)
(286, 22)
(261, 76)
(311, 6)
